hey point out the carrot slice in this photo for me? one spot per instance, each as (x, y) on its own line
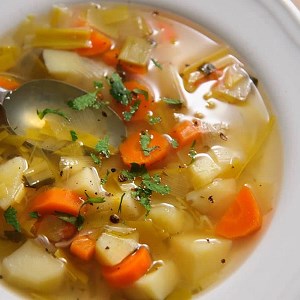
(57, 200)
(99, 44)
(146, 105)
(129, 269)
(133, 68)
(111, 57)
(131, 150)
(186, 132)
(83, 247)
(242, 218)
(8, 83)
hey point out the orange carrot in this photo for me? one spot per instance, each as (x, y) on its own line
(8, 83)
(146, 105)
(131, 149)
(186, 132)
(129, 269)
(133, 68)
(111, 57)
(54, 228)
(57, 200)
(83, 247)
(167, 32)
(242, 218)
(99, 44)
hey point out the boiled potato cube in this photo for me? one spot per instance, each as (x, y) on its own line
(214, 198)
(199, 257)
(156, 284)
(11, 181)
(31, 266)
(85, 181)
(203, 170)
(168, 218)
(112, 249)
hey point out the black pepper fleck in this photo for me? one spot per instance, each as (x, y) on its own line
(114, 218)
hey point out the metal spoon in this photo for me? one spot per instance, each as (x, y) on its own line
(19, 110)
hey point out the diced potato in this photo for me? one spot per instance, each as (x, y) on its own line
(203, 170)
(85, 181)
(112, 249)
(214, 198)
(70, 165)
(31, 266)
(11, 178)
(199, 257)
(156, 284)
(70, 66)
(168, 217)
(233, 87)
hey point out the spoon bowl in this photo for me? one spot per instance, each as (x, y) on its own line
(21, 106)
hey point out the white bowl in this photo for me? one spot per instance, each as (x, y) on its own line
(267, 34)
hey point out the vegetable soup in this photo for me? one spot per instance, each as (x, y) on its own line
(169, 211)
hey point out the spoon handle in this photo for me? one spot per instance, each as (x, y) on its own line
(3, 94)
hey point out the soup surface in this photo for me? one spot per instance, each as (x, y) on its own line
(167, 212)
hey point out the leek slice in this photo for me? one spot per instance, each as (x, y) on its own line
(136, 50)
(8, 57)
(115, 14)
(61, 38)
(191, 75)
(59, 16)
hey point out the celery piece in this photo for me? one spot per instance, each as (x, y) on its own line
(192, 74)
(136, 50)
(61, 38)
(233, 87)
(38, 173)
(8, 57)
(59, 16)
(94, 19)
(115, 14)
(26, 28)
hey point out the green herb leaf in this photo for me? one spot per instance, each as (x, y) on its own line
(153, 184)
(192, 152)
(141, 92)
(174, 143)
(105, 178)
(76, 221)
(73, 135)
(92, 200)
(145, 140)
(95, 158)
(102, 147)
(10, 216)
(156, 63)
(132, 110)
(154, 120)
(120, 204)
(34, 214)
(118, 90)
(98, 85)
(135, 171)
(172, 101)
(47, 111)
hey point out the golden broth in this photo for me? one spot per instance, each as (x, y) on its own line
(170, 208)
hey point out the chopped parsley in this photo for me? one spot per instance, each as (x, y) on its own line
(121, 202)
(10, 216)
(95, 159)
(77, 221)
(73, 135)
(92, 200)
(192, 152)
(105, 178)
(34, 214)
(118, 90)
(171, 101)
(88, 100)
(145, 139)
(141, 92)
(102, 147)
(47, 111)
(174, 143)
(154, 120)
(156, 63)
(132, 110)
(148, 185)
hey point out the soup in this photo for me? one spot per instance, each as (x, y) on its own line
(165, 213)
